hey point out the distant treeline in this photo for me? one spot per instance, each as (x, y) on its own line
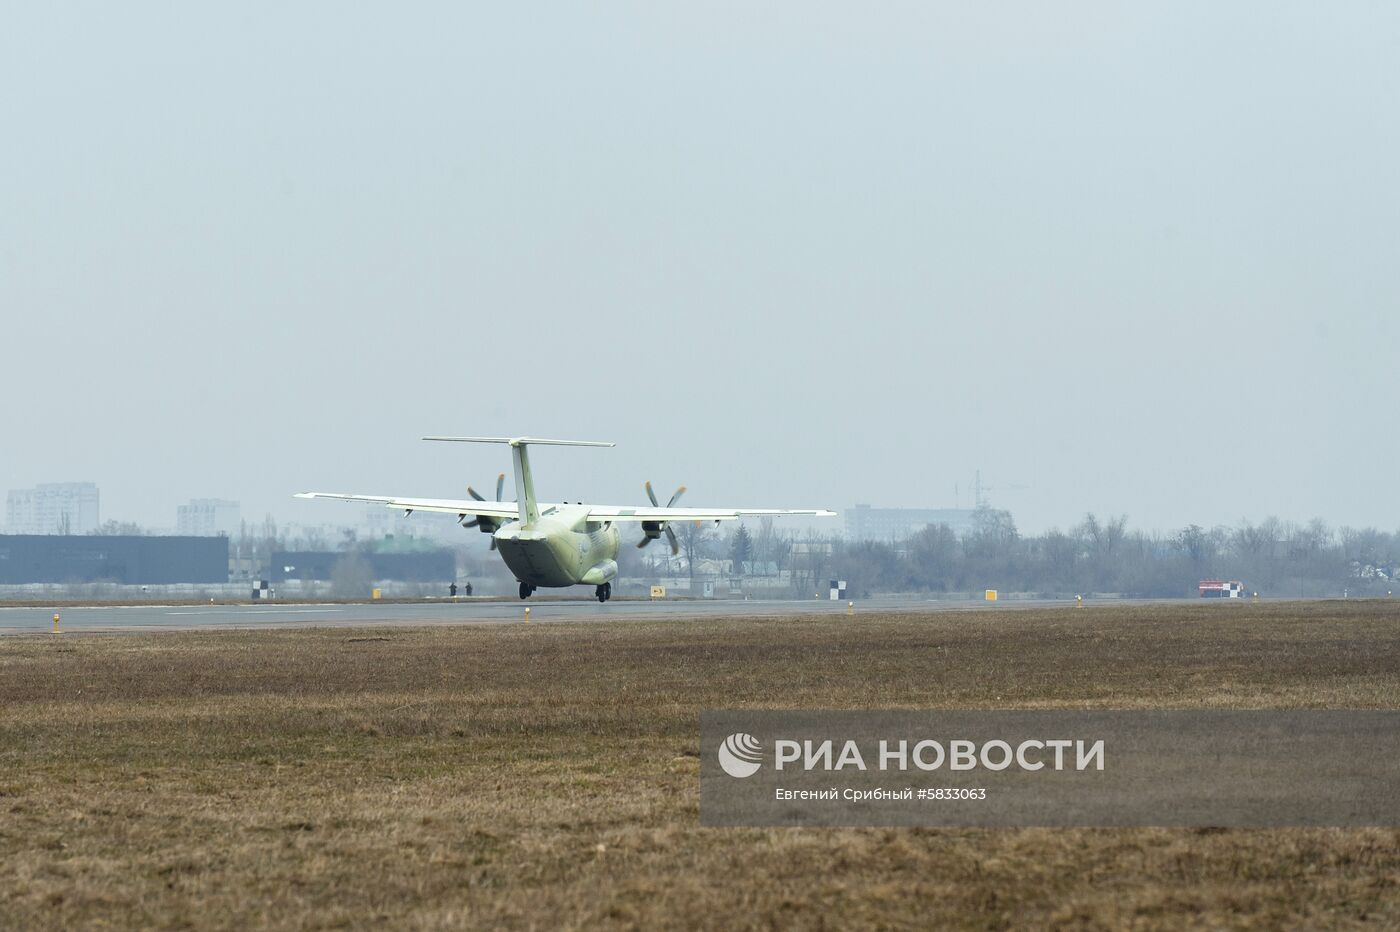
(1276, 558)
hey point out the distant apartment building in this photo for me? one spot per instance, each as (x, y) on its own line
(52, 508)
(890, 525)
(382, 522)
(207, 517)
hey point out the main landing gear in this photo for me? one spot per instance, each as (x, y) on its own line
(604, 592)
(526, 590)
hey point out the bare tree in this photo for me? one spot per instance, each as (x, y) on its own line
(762, 544)
(1196, 542)
(313, 539)
(695, 537)
(812, 560)
(933, 556)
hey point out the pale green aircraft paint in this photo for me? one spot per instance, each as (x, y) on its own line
(558, 545)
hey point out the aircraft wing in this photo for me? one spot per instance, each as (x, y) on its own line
(447, 506)
(509, 510)
(648, 513)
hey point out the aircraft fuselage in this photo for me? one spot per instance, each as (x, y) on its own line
(561, 548)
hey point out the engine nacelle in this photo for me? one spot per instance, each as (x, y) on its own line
(483, 524)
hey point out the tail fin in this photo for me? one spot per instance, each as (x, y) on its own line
(524, 482)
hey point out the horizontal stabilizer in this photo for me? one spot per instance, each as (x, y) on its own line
(521, 441)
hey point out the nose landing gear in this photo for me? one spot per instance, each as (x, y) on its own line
(604, 592)
(526, 590)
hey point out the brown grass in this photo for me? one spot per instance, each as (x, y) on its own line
(546, 776)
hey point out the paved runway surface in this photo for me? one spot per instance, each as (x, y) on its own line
(464, 611)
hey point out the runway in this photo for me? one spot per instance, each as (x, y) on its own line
(30, 620)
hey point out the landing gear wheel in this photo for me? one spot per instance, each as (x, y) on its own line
(603, 592)
(526, 590)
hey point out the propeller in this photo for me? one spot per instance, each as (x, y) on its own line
(653, 529)
(491, 524)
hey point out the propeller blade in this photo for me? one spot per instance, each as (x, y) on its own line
(493, 542)
(500, 484)
(652, 495)
(643, 542)
(675, 544)
(462, 520)
(677, 497)
(472, 492)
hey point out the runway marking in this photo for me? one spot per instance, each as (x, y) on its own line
(269, 611)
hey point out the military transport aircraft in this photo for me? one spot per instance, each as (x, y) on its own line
(557, 545)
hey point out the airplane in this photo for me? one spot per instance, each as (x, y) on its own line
(563, 544)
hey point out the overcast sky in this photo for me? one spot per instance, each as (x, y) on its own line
(1138, 258)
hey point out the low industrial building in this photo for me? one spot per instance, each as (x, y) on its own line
(134, 561)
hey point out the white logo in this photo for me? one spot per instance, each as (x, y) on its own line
(741, 755)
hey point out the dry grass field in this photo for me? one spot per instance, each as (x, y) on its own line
(545, 776)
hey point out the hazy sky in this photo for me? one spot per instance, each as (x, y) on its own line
(1139, 258)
